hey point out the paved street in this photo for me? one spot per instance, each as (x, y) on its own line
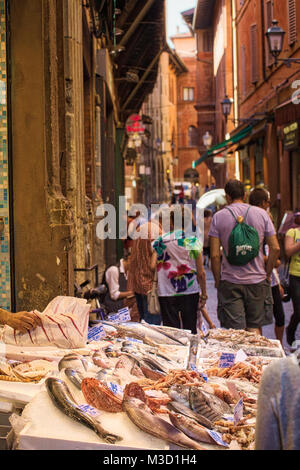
(268, 331)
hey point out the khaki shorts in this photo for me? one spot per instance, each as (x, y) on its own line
(243, 306)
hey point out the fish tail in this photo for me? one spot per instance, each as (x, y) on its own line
(105, 435)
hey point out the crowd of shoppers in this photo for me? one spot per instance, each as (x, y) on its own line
(249, 293)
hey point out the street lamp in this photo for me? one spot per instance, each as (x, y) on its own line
(275, 36)
(207, 139)
(226, 107)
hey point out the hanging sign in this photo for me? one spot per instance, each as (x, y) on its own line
(291, 136)
(134, 125)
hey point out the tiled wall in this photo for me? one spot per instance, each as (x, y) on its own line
(4, 193)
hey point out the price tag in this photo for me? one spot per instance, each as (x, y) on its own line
(204, 329)
(89, 410)
(238, 411)
(194, 368)
(123, 315)
(217, 438)
(240, 356)
(115, 388)
(226, 360)
(96, 333)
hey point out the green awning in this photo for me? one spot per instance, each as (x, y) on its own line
(216, 149)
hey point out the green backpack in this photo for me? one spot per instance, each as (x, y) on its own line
(243, 243)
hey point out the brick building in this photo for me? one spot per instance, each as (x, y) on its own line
(211, 25)
(271, 156)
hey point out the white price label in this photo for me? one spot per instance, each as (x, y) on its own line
(238, 411)
(96, 333)
(89, 410)
(241, 356)
(217, 438)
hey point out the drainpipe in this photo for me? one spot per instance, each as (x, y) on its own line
(235, 79)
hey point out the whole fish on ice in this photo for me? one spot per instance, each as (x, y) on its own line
(141, 415)
(146, 334)
(207, 404)
(64, 401)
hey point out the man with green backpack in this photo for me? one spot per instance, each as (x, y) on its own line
(243, 278)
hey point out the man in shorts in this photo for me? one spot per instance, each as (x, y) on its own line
(243, 291)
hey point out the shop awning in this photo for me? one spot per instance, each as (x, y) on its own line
(216, 149)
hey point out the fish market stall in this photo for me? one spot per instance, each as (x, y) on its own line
(126, 385)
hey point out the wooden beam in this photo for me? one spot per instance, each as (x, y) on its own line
(129, 7)
(136, 22)
(142, 80)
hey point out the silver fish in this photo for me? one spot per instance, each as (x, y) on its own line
(191, 428)
(179, 393)
(207, 404)
(74, 376)
(144, 333)
(64, 401)
(184, 410)
(74, 361)
(141, 415)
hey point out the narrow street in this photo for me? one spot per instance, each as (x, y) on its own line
(137, 138)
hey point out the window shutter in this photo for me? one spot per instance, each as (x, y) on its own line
(254, 52)
(292, 33)
(269, 18)
(243, 67)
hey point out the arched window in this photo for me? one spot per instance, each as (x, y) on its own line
(192, 136)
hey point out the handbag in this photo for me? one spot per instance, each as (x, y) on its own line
(152, 298)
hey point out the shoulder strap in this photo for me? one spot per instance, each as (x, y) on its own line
(247, 213)
(231, 213)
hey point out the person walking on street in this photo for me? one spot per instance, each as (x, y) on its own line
(243, 289)
(260, 197)
(180, 273)
(292, 250)
(142, 268)
(206, 248)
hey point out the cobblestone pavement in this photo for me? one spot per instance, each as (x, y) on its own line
(268, 331)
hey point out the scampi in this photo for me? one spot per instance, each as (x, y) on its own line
(141, 415)
(64, 401)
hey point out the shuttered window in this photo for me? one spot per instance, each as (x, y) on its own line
(269, 18)
(292, 28)
(254, 53)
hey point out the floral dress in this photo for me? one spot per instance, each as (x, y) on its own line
(176, 264)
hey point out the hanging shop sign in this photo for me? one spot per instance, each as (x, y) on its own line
(134, 125)
(291, 136)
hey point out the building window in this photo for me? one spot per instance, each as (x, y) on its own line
(254, 53)
(292, 25)
(192, 136)
(188, 94)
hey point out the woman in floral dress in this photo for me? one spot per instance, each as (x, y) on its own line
(180, 277)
